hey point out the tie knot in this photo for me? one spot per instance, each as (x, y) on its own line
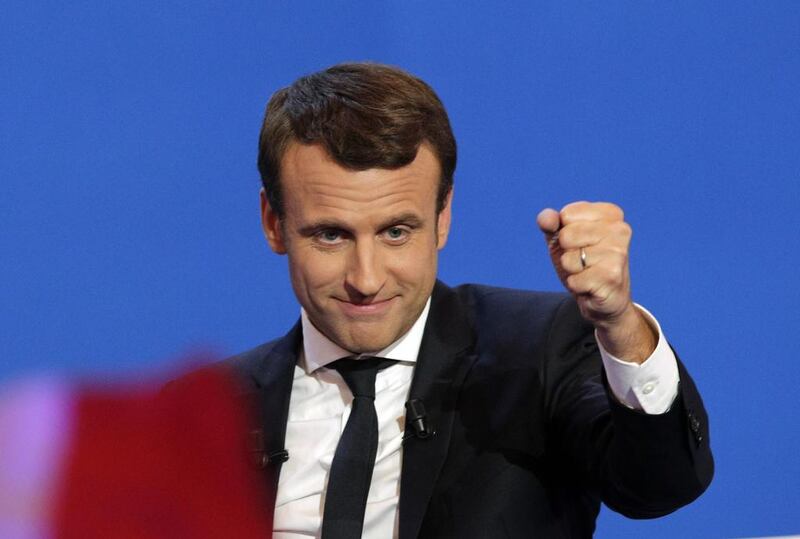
(359, 374)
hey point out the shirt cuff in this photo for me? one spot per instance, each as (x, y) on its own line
(650, 387)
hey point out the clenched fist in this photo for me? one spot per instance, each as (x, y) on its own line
(588, 244)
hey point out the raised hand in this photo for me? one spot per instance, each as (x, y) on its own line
(588, 244)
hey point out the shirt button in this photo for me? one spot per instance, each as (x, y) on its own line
(648, 388)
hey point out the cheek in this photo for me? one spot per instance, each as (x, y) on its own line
(416, 267)
(311, 270)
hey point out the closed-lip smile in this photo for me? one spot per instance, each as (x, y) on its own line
(361, 309)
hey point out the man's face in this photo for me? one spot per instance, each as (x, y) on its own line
(362, 245)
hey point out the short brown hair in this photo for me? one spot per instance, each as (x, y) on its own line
(366, 115)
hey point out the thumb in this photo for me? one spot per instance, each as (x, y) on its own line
(549, 222)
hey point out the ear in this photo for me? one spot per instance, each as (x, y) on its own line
(271, 224)
(443, 222)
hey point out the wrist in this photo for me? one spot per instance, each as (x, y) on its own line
(628, 336)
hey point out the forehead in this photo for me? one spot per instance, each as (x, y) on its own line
(314, 186)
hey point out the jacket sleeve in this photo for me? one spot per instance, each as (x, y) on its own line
(640, 465)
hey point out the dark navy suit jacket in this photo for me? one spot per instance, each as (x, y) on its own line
(528, 439)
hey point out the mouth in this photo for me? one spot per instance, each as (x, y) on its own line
(365, 309)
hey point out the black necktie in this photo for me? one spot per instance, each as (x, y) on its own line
(354, 460)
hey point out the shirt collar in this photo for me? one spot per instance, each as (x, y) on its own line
(319, 350)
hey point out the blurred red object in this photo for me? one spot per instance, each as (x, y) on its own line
(171, 463)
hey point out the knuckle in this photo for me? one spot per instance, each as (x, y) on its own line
(617, 249)
(620, 230)
(611, 211)
(616, 273)
(572, 211)
(606, 273)
(565, 237)
(572, 282)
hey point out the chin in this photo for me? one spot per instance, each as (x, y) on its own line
(366, 344)
(366, 347)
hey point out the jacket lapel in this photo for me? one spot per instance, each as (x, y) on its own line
(270, 389)
(444, 361)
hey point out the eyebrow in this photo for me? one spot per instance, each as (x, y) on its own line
(409, 218)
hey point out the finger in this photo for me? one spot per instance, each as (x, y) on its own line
(571, 260)
(615, 235)
(599, 281)
(581, 234)
(548, 221)
(597, 255)
(590, 211)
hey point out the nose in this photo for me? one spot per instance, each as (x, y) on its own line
(365, 274)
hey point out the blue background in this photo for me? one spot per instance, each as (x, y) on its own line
(129, 228)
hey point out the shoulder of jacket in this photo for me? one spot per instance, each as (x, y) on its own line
(501, 301)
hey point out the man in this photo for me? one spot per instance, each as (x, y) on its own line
(535, 406)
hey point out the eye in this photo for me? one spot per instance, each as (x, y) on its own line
(329, 236)
(396, 234)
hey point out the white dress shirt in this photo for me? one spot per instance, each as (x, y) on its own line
(320, 406)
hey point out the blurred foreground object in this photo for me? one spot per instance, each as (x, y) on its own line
(131, 462)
